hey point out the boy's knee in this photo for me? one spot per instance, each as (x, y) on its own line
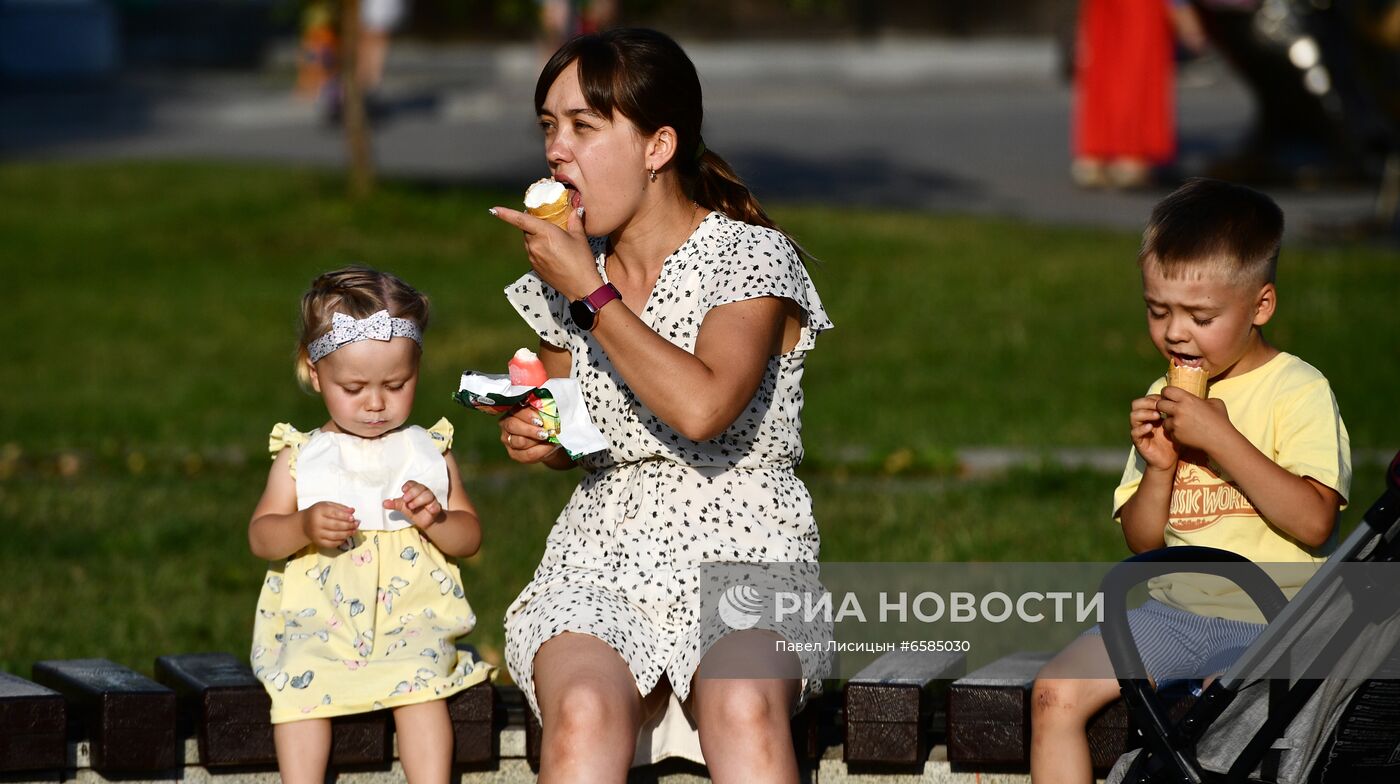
(1056, 699)
(1070, 700)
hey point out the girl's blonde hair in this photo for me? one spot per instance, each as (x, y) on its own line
(359, 292)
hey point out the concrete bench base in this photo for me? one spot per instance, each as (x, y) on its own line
(513, 769)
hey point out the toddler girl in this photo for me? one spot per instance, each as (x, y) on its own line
(362, 605)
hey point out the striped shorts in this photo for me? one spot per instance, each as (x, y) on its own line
(1177, 645)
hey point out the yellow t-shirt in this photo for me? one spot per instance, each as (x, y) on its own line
(1286, 409)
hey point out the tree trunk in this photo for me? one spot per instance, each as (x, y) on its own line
(357, 132)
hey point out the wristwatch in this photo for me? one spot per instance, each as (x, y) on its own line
(584, 311)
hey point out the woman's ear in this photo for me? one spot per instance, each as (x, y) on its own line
(661, 147)
(1265, 303)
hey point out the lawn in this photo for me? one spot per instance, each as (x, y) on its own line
(150, 350)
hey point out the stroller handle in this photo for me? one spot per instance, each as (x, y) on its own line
(1122, 651)
(1385, 512)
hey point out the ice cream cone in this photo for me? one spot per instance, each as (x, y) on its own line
(556, 210)
(1191, 379)
(556, 213)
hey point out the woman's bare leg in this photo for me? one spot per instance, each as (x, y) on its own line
(745, 722)
(590, 710)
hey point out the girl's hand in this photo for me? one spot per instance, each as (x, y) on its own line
(561, 258)
(418, 504)
(1149, 435)
(328, 524)
(523, 436)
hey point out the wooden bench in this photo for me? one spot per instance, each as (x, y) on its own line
(907, 714)
(226, 708)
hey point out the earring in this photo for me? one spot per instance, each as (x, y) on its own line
(652, 174)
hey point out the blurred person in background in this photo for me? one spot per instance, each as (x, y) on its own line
(378, 20)
(320, 51)
(1124, 120)
(318, 72)
(561, 20)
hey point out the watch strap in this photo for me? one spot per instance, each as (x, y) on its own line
(601, 296)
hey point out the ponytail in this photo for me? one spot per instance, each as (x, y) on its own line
(713, 184)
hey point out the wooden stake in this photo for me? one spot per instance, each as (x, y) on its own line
(357, 132)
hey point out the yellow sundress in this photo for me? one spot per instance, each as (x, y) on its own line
(372, 624)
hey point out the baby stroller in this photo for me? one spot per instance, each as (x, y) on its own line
(1315, 699)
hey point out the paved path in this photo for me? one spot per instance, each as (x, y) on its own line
(979, 127)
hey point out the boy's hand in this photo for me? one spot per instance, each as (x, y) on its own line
(328, 524)
(1151, 438)
(418, 504)
(1193, 422)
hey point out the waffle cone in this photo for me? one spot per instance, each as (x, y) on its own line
(1191, 379)
(556, 212)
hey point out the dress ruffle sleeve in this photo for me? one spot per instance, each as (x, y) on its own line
(284, 436)
(441, 434)
(763, 263)
(543, 308)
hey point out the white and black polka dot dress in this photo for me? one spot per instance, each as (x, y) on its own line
(621, 560)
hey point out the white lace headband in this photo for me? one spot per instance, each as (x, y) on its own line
(348, 329)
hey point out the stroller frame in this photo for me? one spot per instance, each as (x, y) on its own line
(1168, 754)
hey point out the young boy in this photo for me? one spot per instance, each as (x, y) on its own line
(1261, 467)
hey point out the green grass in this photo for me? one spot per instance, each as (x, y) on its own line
(129, 568)
(149, 343)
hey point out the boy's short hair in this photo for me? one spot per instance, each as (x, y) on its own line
(1214, 226)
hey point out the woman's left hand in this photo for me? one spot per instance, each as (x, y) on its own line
(561, 258)
(524, 437)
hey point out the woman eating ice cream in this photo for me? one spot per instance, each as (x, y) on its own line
(684, 315)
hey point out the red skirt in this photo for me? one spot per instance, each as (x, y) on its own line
(1124, 102)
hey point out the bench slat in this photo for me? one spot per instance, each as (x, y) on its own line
(229, 709)
(989, 712)
(475, 736)
(33, 726)
(224, 704)
(128, 719)
(891, 706)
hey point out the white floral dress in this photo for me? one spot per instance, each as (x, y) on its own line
(373, 624)
(622, 560)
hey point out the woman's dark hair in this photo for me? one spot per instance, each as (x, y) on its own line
(649, 79)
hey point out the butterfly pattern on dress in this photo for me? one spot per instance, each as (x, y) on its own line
(324, 614)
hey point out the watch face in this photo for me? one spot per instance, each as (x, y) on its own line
(582, 315)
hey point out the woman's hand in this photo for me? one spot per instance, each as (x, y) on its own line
(522, 432)
(561, 258)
